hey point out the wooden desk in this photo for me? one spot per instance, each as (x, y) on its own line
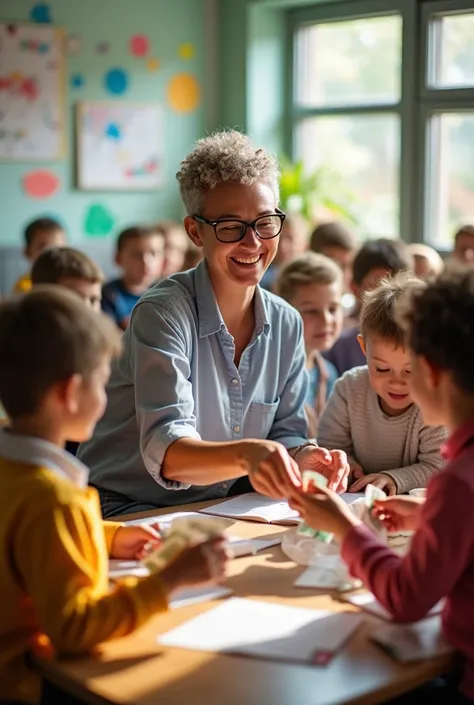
(137, 670)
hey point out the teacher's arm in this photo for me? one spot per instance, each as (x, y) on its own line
(171, 447)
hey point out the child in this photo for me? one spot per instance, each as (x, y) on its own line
(313, 285)
(464, 245)
(339, 244)
(140, 255)
(426, 261)
(53, 544)
(376, 259)
(371, 414)
(439, 324)
(72, 269)
(39, 235)
(293, 243)
(176, 247)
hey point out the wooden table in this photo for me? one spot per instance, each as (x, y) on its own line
(137, 670)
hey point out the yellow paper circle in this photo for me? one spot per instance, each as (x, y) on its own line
(153, 64)
(183, 93)
(186, 51)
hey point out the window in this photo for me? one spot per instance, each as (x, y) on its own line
(347, 109)
(447, 112)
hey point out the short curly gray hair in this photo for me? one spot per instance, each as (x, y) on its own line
(224, 157)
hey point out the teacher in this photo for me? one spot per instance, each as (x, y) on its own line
(207, 399)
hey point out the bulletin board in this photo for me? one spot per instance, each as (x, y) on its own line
(119, 146)
(32, 92)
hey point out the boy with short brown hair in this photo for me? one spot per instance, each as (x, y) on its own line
(140, 255)
(336, 241)
(39, 235)
(371, 415)
(54, 546)
(72, 269)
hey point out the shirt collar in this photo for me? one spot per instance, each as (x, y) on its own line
(36, 451)
(210, 317)
(458, 440)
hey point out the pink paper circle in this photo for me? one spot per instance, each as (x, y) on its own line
(139, 45)
(40, 183)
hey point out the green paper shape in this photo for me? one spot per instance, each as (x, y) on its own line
(99, 221)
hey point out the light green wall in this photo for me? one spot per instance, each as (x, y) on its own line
(168, 23)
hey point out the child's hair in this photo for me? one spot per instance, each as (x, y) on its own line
(137, 231)
(40, 225)
(383, 253)
(57, 263)
(378, 316)
(46, 336)
(332, 235)
(434, 259)
(464, 230)
(309, 268)
(439, 323)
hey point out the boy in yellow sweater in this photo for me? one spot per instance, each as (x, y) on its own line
(54, 546)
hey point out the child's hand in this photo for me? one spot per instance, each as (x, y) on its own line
(378, 479)
(130, 541)
(324, 510)
(399, 513)
(196, 565)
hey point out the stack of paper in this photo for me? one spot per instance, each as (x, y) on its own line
(415, 642)
(266, 630)
(255, 507)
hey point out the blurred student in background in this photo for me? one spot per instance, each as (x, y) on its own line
(39, 235)
(140, 255)
(336, 241)
(464, 245)
(375, 260)
(427, 262)
(176, 248)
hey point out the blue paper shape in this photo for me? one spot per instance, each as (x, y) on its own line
(41, 13)
(116, 81)
(113, 131)
(77, 80)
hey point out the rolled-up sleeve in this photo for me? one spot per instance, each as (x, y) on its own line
(290, 427)
(159, 363)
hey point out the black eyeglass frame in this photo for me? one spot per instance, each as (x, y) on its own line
(215, 223)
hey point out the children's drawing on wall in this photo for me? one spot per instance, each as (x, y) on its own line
(31, 92)
(120, 146)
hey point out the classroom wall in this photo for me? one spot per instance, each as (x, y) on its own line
(178, 33)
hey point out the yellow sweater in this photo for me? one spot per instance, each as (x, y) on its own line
(23, 284)
(54, 575)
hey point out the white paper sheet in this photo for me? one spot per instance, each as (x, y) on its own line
(265, 630)
(368, 602)
(414, 642)
(256, 507)
(191, 596)
(162, 519)
(350, 497)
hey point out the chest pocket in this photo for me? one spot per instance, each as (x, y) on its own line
(259, 420)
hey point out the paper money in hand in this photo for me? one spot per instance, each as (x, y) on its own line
(311, 481)
(183, 532)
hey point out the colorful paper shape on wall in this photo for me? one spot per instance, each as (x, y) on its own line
(73, 45)
(116, 81)
(98, 220)
(119, 146)
(78, 80)
(153, 64)
(32, 101)
(102, 47)
(186, 51)
(41, 13)
(183, 93)
(139, 45)
(40, 183)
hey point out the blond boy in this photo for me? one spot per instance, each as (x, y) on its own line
(371, 414)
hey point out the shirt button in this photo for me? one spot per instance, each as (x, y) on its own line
(225, 485)
(236, 429)
(235, 381)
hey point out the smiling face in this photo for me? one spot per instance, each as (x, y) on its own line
(389, 374)
(240, 263)
(321, 311)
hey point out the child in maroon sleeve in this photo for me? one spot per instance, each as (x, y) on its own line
(439, 323)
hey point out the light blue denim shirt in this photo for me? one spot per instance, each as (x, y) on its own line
(177, 379)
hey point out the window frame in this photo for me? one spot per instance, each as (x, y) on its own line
(404, 108)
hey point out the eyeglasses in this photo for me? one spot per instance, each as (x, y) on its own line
(265, 227)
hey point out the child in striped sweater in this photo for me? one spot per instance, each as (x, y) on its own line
(371, 414)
